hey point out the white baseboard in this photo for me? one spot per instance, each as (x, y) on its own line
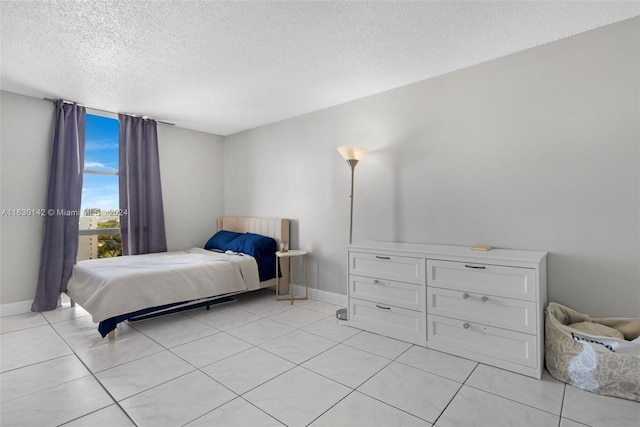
(13, 308)
(330, 297)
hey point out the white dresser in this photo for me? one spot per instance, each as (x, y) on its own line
(483, 305)
(387, 294)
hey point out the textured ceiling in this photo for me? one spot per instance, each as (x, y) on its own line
(223, 67)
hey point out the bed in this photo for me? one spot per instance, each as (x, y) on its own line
(239, 257)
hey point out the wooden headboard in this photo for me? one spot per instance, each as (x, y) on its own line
(276, 228)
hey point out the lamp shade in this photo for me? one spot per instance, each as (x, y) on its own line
(352, 153)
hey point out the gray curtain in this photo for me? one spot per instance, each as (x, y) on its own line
(142, 227)
(64, 192)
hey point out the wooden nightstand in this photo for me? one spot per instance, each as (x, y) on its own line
(291, 254)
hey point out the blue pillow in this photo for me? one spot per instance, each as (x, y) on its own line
(221, 239)
(256, 245)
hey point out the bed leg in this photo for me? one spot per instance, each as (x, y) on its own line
(73, 303)
(112, 335)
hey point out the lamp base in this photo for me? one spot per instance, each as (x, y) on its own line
(342, 314)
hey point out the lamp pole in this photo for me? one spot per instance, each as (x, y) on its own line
(352, 163)
(352, 155)
(343, 313)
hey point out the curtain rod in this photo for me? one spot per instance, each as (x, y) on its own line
(110, 112)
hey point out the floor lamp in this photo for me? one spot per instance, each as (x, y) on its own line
(352, 155)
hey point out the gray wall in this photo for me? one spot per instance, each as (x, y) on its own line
(537, 150)
(192, 173)
(192, 170)
(24, 155)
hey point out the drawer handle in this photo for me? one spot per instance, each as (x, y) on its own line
(465, 295)
(484, 298)
(378, 282)
(466, 326)
(478, 267)
(382, 257)
(384, 308)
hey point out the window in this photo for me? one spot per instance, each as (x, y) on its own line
(100, 214)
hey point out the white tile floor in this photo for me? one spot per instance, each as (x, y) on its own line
(258, 362)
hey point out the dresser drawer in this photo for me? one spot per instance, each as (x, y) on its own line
(469, 339)
(390, 267)
(486, 279)
(505, 313)
(399, 294)
(394, 322)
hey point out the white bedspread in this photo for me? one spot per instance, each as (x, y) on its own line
(109, 287)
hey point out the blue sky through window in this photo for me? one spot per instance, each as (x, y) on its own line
(101, 153)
